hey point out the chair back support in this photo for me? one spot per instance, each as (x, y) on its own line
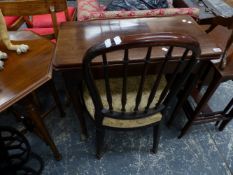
(34, 7)
(189, 52)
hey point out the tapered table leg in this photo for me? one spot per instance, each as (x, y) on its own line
(56, 97)
(39, 126)
(73, 82)
(204, 100)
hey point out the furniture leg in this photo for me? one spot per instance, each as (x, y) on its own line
(205, 73)
(223, 124)
(56, 97)
(209, 92)
(224, 55)
(74, 88)
(188, 88)
(216, 123)
(156, 138)
(36, 99)
(178, 86)
(100, 133)
(39, 125)
(229, 115)
(212, 27)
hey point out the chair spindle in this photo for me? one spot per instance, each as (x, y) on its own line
(124, 88)
(143, 77)
(107, 84)
(157, 81)
(170, 82)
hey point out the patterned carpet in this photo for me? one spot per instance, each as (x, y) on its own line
(203, 150)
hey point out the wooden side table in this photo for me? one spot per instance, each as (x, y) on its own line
(25, 73)
(202, 113)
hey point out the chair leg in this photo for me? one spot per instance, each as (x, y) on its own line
(156, 138)
(56, 97)
(100, 133)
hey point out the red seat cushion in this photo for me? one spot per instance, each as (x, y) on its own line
(53, 41)
(10, 20)
(41, 31)
(45, 21)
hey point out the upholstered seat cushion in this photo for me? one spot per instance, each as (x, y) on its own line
(132, 87)
(45, 21)
(10, 20)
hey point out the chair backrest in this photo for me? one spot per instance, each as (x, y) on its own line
(34, 7)
(187, 47)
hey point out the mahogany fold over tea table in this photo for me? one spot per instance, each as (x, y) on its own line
(76, 37)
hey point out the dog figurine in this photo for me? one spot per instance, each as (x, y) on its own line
(4, 37)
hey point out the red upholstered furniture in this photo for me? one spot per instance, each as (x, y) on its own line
(43, 24)
(46, 32)
(92, 10)
(45, 21)
(13, 22)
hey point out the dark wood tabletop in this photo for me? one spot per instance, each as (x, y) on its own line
(76, 37)
(26, 72)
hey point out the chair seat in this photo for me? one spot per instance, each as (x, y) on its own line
(132, 87)
(10, 20)
(41, 31)
(45, 21)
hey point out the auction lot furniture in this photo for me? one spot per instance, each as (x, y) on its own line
(135, 102)
(202, 112)
(23, 74)
(75, 38)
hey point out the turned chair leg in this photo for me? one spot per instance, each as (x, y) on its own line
(156, 138)
(100, 133)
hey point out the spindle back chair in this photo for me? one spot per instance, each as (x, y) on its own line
(141, 113)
